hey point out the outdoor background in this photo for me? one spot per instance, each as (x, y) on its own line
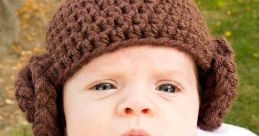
(22, 30)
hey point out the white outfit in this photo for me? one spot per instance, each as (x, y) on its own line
(226, 130)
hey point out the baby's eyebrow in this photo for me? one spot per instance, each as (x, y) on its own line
(176, 74)
(120, 72)
(109, 72)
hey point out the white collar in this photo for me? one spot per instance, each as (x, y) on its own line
(226, 130)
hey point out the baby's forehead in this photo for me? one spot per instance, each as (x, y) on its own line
(146, 53)
(157, 60)
(164, 56)
(144, 49)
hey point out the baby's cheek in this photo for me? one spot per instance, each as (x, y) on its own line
(87, 119)
(181, 116)
(189, 108)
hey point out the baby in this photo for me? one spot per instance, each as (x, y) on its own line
(129, 68)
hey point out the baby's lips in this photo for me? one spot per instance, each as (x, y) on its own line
(135, 132)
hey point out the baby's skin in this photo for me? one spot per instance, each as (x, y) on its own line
(152, 88)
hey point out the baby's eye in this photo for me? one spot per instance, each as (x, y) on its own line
(167, 88)
(106, 86)
(103, 86)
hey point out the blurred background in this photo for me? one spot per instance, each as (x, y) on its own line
(22, 34)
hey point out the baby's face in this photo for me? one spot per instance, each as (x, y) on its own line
(140, 87)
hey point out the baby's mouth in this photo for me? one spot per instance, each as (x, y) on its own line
(135, 132)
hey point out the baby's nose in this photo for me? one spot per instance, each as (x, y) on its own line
(129, 110)
(136, 106)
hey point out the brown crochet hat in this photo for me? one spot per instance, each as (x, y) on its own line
(83, 29)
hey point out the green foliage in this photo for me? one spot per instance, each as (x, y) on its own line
(238, 20)
(212, 4)
(23, 130)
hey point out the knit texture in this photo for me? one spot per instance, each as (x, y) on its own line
(81, 30)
